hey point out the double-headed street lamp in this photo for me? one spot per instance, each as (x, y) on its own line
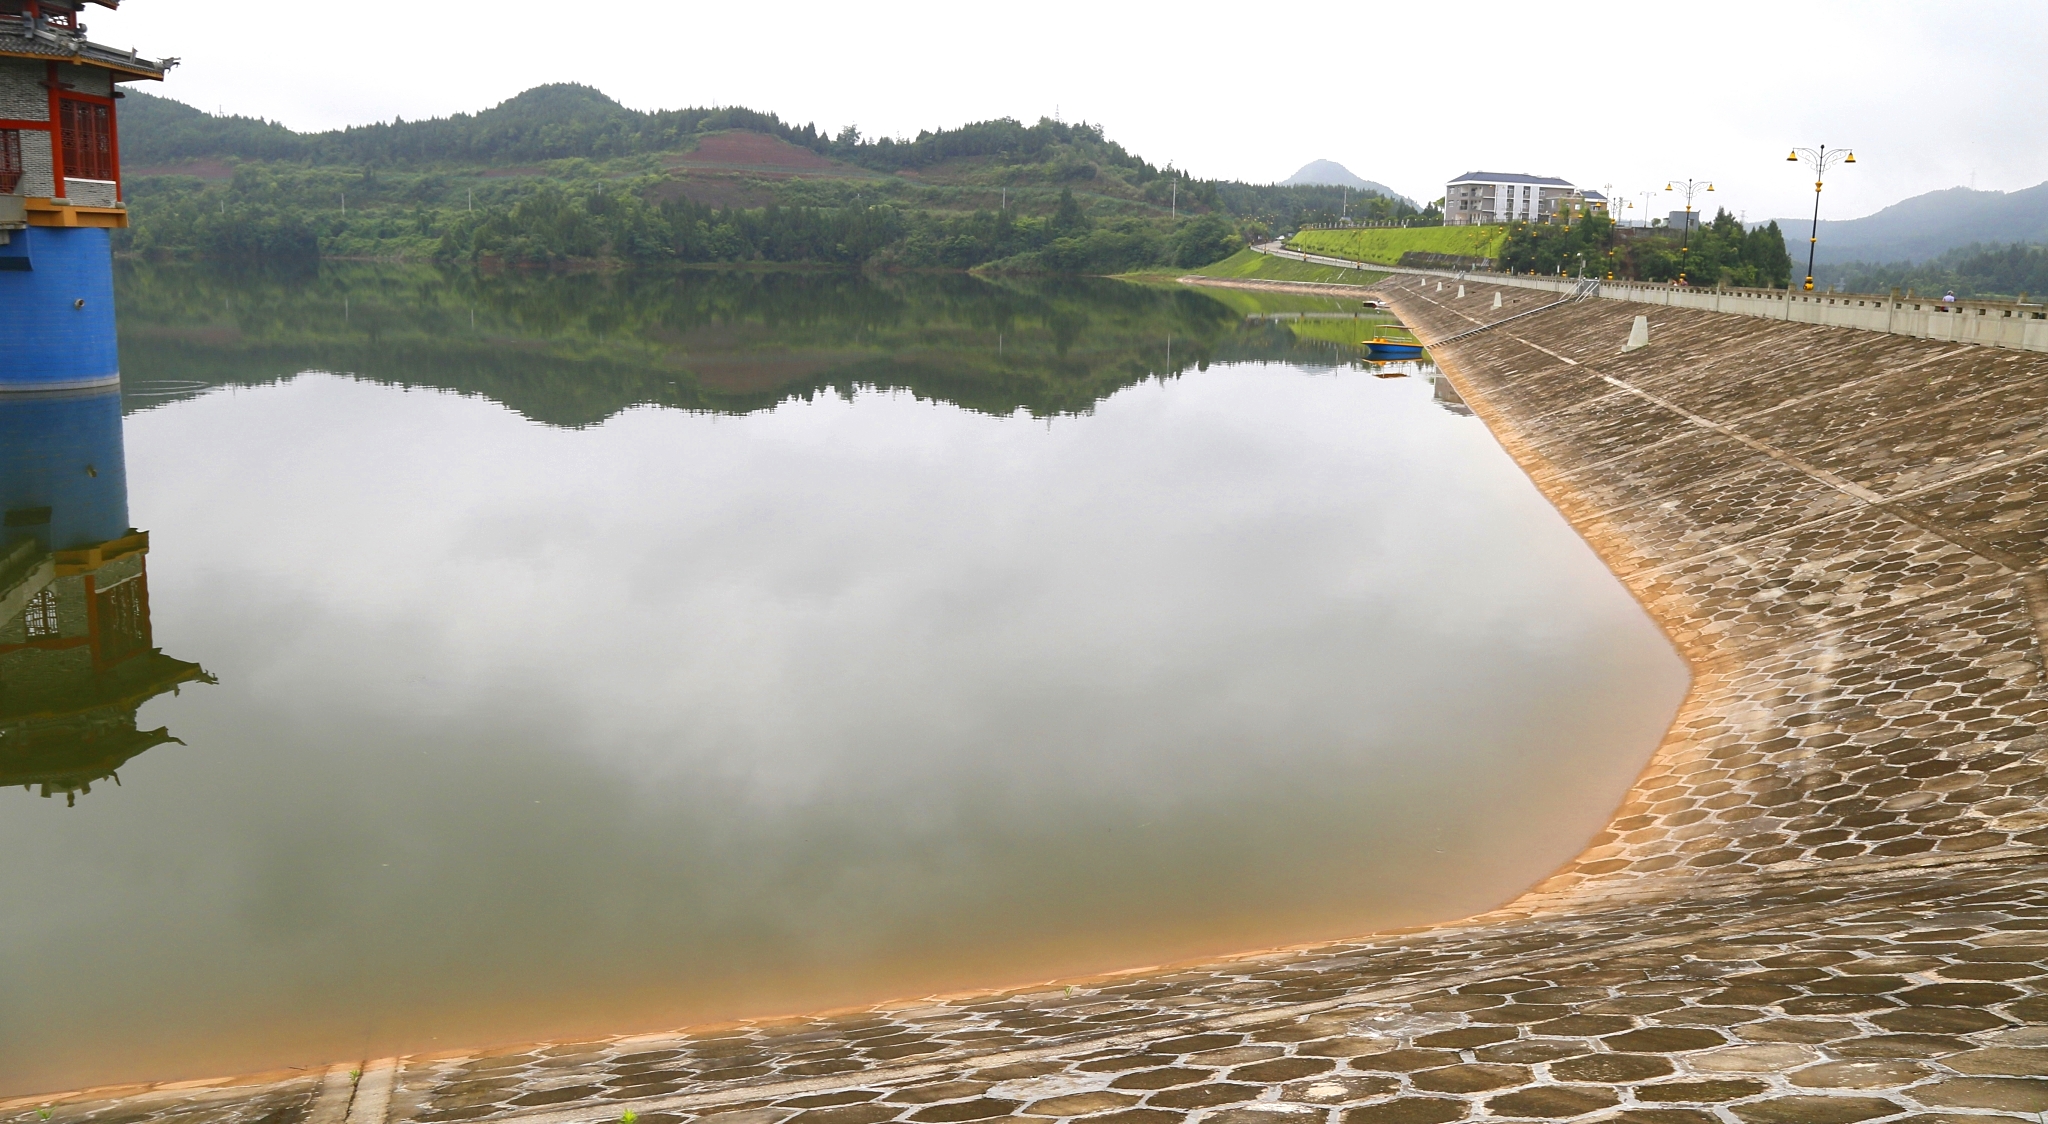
(1820, 160)
(1689, 189)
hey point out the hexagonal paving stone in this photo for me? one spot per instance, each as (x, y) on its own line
(1264, 1114)
(937, 1091)
(980, 1108)
(1899, 1046)
(1465, 1038)
(848, 1114)
(1081, 1104)
(828, 1100)
(1407, 1110)
(1284, 1069)
(1139, 1116)
(1403, 1061)
(1813, 1110)
(1958, 995)
(1163, 1078)
(1752, 1059)
(1529, 1051)
(1884, 1073)
(743, 1115)
(1723, 1090)
(2012, 1093)
(1236, 1055)
(1936, 1020)
(1662, 1116)
(2001, 1062)
(1553, 1102)
(1468, 1078)
(1613, 1069)
(1338, 1088)
(556, 1096)
(1665, 1040)
(1204, 1096)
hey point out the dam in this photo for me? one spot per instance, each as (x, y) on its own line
(1822, 900)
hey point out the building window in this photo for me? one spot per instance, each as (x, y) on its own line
(10, 160)
(42, 615)
(88, 139)
(123, 620)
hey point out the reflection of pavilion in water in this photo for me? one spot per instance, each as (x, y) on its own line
(76, 660)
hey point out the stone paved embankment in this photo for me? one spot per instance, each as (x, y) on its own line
(1825, 900)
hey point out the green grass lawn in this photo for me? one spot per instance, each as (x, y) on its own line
(1253, 266)
(1387, 245)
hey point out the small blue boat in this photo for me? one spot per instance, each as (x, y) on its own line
(1381, 347)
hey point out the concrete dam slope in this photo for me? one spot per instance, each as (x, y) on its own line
(1825, 900)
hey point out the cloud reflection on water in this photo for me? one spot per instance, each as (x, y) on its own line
(526, 731)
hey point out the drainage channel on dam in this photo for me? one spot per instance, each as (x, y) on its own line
(468, 698)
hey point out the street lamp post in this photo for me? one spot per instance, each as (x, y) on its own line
(1820, 160)
(1689, 189)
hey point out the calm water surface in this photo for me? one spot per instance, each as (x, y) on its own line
(716, 646)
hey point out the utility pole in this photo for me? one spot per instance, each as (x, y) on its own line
(1820, 160)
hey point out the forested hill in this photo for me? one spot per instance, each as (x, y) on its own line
(563, 172)
(564, 121)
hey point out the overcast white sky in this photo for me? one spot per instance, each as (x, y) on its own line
(1929, 94)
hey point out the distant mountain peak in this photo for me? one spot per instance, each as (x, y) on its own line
(1931, 224)
(1329, 173)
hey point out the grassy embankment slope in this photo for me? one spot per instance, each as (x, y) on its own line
(1250, 265)
(1386, 245)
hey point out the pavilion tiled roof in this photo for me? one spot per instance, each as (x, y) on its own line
(18, 41)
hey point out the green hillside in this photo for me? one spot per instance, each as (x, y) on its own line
(1386, 245)
(564, 173)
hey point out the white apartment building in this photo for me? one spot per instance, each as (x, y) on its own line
(1489, 197)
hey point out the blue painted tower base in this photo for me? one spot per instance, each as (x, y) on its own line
(57, 310)
(63, 476)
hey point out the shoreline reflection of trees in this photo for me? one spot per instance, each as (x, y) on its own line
(575, 348)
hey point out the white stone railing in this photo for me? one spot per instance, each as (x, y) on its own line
(1993, 323)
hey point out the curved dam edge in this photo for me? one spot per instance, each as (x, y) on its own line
(1824, 899)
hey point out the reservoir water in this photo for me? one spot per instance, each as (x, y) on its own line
(534, 656)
